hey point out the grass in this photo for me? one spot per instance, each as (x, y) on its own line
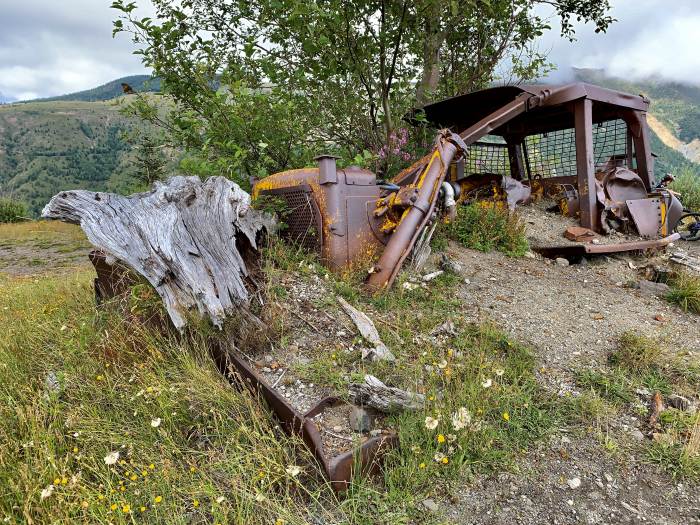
(77, 384)
(641, 363)
(41, 232)
(487, 226)
(685, 292)
(687, 183)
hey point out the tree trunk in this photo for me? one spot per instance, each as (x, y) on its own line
(433, 39)
(193, 241)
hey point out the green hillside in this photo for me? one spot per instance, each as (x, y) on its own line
(111, 90)
(676, 106)
(46, 147)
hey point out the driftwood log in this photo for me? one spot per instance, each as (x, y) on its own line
(368, 331)
(193, 240)
(388, 399)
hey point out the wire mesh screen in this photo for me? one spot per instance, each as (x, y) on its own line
(553, 154)
(487, 158)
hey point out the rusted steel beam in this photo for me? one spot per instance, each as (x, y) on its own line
(340, 469)
(578, 250)
(585, 165)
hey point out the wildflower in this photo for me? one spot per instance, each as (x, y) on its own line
(431, 398)
(487, 383)
(441, 438)
(64, 328)
(100, 497)
(422, 465)
(99, 377)
(155, 423)
(451, 438)
(192, 469)
(75, 450)
(448, 372)
(126, 509)
(144, 473)
(506, 416)
(280, 521)
(431, 423)
(64, 481)
(445, 460)
(57, 481)
(142, 508)
(499, 372)
(113, 506)
(415, 449)
(450, 352)
(439, 456)
(195, 503)
(85, 504)
(260, 497)
(442, 364)
(158, 499)
(133, 477)
(293, 470)
(111, 458)
(461, 418)
(45, 493)
(220, 499)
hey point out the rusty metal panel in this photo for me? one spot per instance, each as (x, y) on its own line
(578, 250)
(302, 216)
(646, 214)
(588, 203)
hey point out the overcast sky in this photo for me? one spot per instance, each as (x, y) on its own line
(52, 47)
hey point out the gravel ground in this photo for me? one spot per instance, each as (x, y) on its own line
(572, 316)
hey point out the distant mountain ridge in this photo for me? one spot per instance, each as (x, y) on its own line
(674, 116)
(110, 90)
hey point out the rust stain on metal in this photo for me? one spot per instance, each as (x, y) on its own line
(340, 469)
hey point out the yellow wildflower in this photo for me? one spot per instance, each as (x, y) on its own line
(152, 466)
(134, 477)
(158, 499)
(75, 450)
(100, 377)
(506, 416)
(64, 481)
(192, 469)
(126, 509)
(445, 460)
(142, 509)
(85, 504)
(144, 473)
(113, 506)
(100, 497)
(195, 503)
(57, 481)
(422, 465)
(441, 438)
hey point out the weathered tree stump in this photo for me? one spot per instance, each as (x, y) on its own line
(193, 240)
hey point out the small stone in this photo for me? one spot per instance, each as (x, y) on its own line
(430, 505)
(637, 434)
(608, 477)
(562, 262)
(376, 432)
(360, 420)
(678, 402)
(449, 265)
(430, 276)
(652, 288)
(530, 255)
(574, 483)
(337, 428)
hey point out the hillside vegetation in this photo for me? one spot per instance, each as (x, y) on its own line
(46, 147)
(111, 90)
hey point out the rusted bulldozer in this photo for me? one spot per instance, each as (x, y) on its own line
(586, 145)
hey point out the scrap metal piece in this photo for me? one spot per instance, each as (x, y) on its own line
(579, 234)
(516, 191)
(578, 250)
(646, 214)
(340, 469)
(369, 332)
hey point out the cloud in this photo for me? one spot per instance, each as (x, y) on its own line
(651, 37)
(50, 48)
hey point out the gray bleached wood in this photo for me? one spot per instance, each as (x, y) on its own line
(374, 393)
(185, 236)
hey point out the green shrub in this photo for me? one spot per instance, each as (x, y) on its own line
(688, 185)
(685, 292)
(12, 210)
(487, 226)
(636, 353)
